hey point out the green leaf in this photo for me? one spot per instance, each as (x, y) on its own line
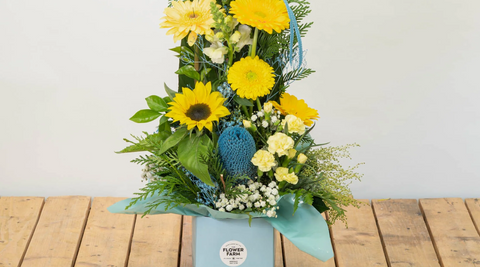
(145, 115)
(319, 205)
(164, 126)
(171, 93)
(182, 49)
(144, 144)
(173, 139)
(243, 101)
(191, 151)
(156, 103)
(189, 71)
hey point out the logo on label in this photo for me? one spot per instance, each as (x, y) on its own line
(233, 253)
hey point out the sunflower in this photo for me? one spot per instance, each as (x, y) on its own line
(251, 77)
(189, 16)
(266, 15)
(199, 107)
(289, 104)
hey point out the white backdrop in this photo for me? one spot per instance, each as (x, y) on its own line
(398, 77)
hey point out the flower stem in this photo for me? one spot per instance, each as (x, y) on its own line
(259, 105)
(254, 43)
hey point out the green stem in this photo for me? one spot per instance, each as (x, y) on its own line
(245, 111)
(230, 54)
(259, 105)
(254, 44)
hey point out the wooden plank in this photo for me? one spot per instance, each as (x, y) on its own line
(473, 205)
(278, 249)
(156, 241)
(454, 236)
(404, 233)
(360, 244)
(107, 236)
(58, 233)
(295, 257)
(18, 218)
(186, 250)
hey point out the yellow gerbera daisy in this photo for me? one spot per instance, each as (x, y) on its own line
(289, 104)
(266, 15)
(198, 108)
(251, 77)
(189, 16)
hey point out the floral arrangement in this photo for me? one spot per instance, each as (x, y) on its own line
(230, 138)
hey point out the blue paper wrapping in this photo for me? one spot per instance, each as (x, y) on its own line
(307, 229)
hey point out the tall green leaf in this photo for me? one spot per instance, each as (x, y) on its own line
(171, 93)
(173, 139)
(190, 154)
(145, 115)
(156, 103)
(189, 71)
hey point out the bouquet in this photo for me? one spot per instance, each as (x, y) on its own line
(230, 142)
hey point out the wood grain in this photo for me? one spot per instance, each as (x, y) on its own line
(186, 259)
(107, 236)
(360, 244)
(473, 205)
(156, 241)
(295, 257)
(404, 233)
(454, 236)
(278, 249)
(58, 233)
(18, 218)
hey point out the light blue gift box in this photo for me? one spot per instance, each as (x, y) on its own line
(220, 243)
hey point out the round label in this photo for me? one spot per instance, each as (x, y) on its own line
(233, 253)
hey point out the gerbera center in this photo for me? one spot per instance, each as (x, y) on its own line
(198, 112)
(192, 15)
(251, 76)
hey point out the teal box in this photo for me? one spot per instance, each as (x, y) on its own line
(220, 243)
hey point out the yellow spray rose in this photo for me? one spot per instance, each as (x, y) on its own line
(267, 107)
(280, 143)
(295, 124)
(282, 175)
(291, 153)
(302, 158)
(264, 160)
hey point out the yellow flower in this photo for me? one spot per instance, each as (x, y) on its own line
(247, 124)
(251, 77)
(266, 15)
(189, 16)
(264, 160)
(302, 158)
(289, 104)
(282, 175)
(291, 153)
(198, 108)
(280, 143)
(295, 125)
(267, 107)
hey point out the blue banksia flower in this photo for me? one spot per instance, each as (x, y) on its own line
(236, 148)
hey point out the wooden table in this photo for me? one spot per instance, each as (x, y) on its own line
(76, 231)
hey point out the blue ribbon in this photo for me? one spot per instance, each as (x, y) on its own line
(294, 30)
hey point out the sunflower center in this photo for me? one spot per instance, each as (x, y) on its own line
(199, 112)
(251, 76)
(260, 14)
